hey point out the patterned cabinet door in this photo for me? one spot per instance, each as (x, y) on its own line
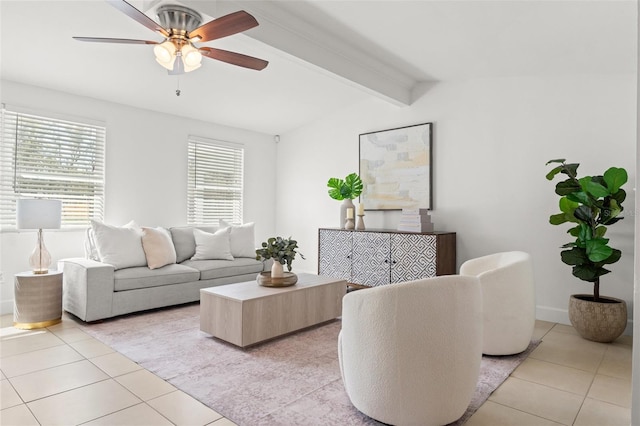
(412, 257)
(335, 254)
(371, 258)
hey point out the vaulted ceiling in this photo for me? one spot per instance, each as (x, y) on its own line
(323, 55)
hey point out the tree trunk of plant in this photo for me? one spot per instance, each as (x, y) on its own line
(596, 290)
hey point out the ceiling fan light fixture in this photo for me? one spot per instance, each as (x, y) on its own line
(191, 57)
(185, 27)
(167, 65)
(188, 68)
(165, 53)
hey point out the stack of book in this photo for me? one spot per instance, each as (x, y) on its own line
(415, 220)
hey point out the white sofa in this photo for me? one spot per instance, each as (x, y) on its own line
(100, 288)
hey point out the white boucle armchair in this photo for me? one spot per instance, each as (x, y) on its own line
(508, 294)
(410, 352)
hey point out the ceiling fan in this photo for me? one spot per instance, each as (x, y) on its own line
(181, 28)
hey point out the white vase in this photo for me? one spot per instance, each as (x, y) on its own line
(347, 203)
(276, 270)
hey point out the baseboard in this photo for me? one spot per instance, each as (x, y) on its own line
(547, 313)
(561, 316)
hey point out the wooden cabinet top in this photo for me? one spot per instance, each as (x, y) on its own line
(390, 231)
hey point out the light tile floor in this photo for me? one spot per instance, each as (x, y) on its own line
(566, 380)
(61, 375)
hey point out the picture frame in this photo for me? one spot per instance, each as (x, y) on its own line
(396, 168)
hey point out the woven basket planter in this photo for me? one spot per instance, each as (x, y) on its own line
(598, 321)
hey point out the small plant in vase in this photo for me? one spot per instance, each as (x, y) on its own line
(282, 251)
(347, 189)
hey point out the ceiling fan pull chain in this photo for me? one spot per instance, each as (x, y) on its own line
(178, 88)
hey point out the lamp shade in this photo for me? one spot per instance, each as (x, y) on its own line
(165, 54)
(39, 214)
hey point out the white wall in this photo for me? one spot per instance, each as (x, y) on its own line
(492, 139)
(146, 173)
(635, 394)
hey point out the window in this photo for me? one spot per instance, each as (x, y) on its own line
(215, 181)
(44, 157)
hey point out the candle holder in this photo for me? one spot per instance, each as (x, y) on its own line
(360, 225)
(349, 224)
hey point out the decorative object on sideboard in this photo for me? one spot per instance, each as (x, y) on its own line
(39, 214)
(395, 167)
(591, 204)
(349, 223)
(347, 190)
(415, 220)
(282, 251)
(360, 223)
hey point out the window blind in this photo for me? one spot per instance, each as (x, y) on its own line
(215, 181)
(50, 158)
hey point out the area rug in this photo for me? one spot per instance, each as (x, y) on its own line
(292, 380)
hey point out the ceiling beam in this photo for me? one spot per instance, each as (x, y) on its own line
(295, 35)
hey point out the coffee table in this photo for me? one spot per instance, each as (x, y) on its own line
(247, 313)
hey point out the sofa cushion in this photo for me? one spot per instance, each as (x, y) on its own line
(143, 277)
(243, 241)
(119, 246)
(214, 246)
(210, 269)
(158, 247)
(184, 241)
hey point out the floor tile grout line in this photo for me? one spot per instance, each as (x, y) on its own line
(73, 389)
(561, 365)
(548, 386)
(126, 408)
(528, 413)
(300, 397)
(55, 366)
(593, 378)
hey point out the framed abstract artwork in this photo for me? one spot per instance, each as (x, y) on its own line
(395, 167)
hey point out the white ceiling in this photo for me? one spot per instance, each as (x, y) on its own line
(323, 55)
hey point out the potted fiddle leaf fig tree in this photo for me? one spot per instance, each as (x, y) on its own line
(591, 204)
(347, 189)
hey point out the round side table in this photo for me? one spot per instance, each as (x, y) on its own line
(37, 299)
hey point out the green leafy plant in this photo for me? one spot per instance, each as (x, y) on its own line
(591, 203)
(279, 249)
(349, 188)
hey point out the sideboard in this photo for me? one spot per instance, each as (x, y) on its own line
(377, 257)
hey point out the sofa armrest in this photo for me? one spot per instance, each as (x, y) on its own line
(88, 288)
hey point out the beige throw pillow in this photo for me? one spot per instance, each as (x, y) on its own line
(212, 246)
(158, 247)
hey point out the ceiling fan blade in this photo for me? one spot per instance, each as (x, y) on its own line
(114, 40)
(137, 15)
(233, 23)
(234, 58)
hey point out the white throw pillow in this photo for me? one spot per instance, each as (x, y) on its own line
(212, 246)
(158, 247)
(119, 246)
(243, 240)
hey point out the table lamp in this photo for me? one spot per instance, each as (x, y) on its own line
(39, 214)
